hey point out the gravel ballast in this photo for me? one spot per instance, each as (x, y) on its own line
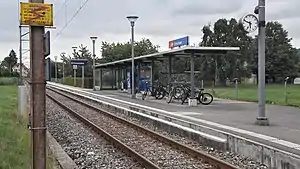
(235, 159)
(86, 148)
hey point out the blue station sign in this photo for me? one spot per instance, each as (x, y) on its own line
(179, 42)
(81, 62)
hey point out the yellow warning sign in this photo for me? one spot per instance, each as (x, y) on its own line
(36, 14)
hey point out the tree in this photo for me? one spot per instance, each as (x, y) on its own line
(82, 53)
(225, 33)
(281, 57)
(117, 51)
(10, 61)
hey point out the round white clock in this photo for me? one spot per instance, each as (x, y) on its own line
(249, 23)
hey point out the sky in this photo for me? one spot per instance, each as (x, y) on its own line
(159, 20)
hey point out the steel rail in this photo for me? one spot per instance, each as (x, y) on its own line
(219, 164)
(143, 161)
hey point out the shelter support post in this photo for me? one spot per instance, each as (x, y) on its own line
(100, 79)
(117, 78)
(170, 71)
(138, 75)
(112, 73)
(82, 77)
(192, 100)
(152, 74)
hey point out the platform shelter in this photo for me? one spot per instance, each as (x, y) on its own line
(120, 71)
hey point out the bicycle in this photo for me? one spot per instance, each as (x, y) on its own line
(201, 96)
(176, 92)
(148, 90)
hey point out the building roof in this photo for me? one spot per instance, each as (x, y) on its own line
(174, 52)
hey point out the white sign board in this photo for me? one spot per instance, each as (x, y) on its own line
(297, 80)
(74, 67)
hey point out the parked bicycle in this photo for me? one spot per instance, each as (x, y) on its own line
(183, 92)
(158, 92)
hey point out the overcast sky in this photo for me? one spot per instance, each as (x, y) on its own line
(160, 21)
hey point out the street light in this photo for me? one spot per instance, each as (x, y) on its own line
(94, 38)
(55, 57)
(74, 49)
(132, 20)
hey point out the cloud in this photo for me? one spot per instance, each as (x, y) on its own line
(159, 20)
(208, 7)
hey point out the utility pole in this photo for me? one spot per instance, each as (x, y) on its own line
(261, 11)
(30, 15)
(38, 94)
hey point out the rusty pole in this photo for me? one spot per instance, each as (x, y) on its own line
(37, 66)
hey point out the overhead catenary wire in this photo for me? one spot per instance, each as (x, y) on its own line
(59, 9)
(70, 20)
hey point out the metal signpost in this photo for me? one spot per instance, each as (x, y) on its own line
(82, 63)
(285, 89)
(37, 15)
(74, 69)
(179, 42)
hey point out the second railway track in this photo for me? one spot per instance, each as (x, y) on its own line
(151, 149)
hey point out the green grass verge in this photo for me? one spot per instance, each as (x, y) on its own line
(275, 94)
(14, 135)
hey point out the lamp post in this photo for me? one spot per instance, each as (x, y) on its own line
(74, 66)
(55, 57)
(94, 38)
(132, 20)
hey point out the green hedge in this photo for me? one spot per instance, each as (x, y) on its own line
(9, 80)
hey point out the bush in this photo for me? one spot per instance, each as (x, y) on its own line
(9, 80)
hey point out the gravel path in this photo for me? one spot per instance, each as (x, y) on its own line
(86, 148)
(238, 160)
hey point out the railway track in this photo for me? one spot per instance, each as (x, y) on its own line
(151, 149)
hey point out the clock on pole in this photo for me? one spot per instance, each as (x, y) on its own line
(249, 23)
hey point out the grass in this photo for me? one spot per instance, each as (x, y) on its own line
(14, 135)
(275, 94)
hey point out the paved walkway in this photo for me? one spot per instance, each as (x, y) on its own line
(284, 121)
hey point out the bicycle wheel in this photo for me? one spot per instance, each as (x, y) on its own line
(160, 94)
(170, 97)
(178, 92)
(205, 98)
(144, 94)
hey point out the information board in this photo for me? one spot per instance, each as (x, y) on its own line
(179, 42)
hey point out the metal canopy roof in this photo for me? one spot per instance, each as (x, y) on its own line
(174, 52)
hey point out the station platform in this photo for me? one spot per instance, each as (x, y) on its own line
(231, 116)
